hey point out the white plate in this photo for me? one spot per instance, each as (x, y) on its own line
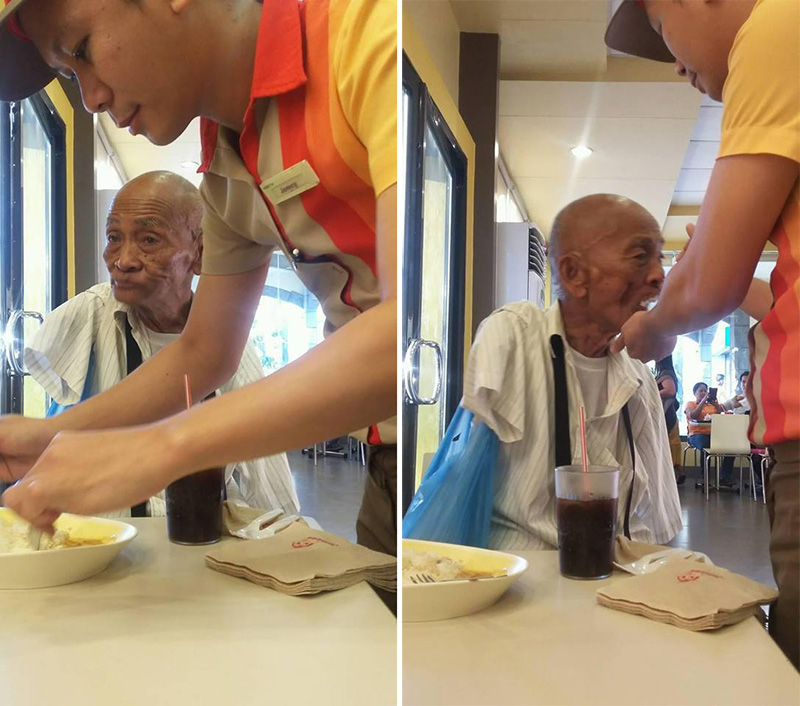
(55, 567)
(452, 599)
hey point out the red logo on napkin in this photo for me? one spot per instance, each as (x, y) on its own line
(309, 542)
(694, 574)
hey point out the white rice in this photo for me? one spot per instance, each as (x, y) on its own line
(440, 568)
(15, 537)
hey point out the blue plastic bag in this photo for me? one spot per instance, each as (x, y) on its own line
(453, 503)
(56, 408)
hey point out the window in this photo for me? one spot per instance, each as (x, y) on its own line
(289, 320)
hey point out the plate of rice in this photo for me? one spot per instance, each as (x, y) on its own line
(443, 581)
(80, 548)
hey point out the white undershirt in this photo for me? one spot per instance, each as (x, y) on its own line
(593, 377)
(160, 340)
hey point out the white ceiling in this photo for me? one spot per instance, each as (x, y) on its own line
(639, 133)
(654, 137)
(137, 155)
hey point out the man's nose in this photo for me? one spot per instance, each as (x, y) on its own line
(655, 277)
(95, 94)
(680, 69)
(128, 257)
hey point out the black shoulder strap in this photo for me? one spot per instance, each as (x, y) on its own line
(563, 444)
(134, 356)
(626, 418)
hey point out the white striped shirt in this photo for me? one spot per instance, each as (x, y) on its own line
(509, 385)
(58, 360)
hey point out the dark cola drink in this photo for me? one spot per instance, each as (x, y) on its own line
(586, 531)
(194, 507)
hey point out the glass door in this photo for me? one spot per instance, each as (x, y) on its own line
(433, 278)
(33, 274)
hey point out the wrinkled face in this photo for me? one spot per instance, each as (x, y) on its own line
(688, 29)
(624, 272)
(701, 392)
(150, 254)
(130, 58)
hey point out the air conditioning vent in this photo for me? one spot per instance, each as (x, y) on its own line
(537, 252)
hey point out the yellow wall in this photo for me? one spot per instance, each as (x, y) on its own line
(66, 113)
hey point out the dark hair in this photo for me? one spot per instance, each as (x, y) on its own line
(665, 366)
(742, 374)
(697, 387)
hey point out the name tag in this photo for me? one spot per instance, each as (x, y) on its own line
(288, 184)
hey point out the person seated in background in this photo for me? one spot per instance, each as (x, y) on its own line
(698, 413)
(738, 404)
(92, 341)
(605, 254)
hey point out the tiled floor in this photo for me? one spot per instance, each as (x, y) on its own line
(330, 492)
(732, 529)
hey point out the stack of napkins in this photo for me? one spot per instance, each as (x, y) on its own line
(301, 561)
(689, 595)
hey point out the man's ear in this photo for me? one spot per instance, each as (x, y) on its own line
(198, 261)
(573, 274)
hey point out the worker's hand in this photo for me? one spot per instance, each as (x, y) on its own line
(642, 342)
(690, 233)
(21, 441)
(91, 472)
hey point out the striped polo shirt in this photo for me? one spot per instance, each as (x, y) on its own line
(323, 96)
(762, 116)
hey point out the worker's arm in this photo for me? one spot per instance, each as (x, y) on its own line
(745, 197)
(208, 350)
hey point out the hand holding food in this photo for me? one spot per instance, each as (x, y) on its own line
(91, 472)
(643, 343)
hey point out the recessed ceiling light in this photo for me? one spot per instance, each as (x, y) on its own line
(581, 151)
(190, 164)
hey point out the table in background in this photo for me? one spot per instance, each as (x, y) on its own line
(158, 627)
(548, 642)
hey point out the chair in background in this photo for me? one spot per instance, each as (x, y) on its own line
(763, 467)
(728, 438)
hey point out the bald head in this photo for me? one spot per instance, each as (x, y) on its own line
(180, 200)
(587, 221)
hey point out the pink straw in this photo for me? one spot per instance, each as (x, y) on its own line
(188, 391)
(584, 454)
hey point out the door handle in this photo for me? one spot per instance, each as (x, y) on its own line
(411, 373)
(15, 346)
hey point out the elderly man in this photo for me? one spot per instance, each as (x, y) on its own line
(530, 371)
(88, 344)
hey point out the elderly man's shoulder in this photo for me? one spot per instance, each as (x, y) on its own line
(523, 314)
(96, 297)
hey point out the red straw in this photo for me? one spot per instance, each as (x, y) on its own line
(584, 454)
(188, 391)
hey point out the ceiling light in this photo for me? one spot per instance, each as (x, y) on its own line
(191, 165)
(581, 151)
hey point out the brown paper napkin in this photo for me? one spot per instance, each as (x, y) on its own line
(689, 595)
(303, 561)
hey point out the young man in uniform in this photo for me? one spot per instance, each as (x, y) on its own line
(745, 53)
(298, 100)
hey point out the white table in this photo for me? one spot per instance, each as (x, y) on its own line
(548, 642)
(158, 627)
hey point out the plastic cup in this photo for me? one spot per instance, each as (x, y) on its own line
(586, 516)
(194, 507)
